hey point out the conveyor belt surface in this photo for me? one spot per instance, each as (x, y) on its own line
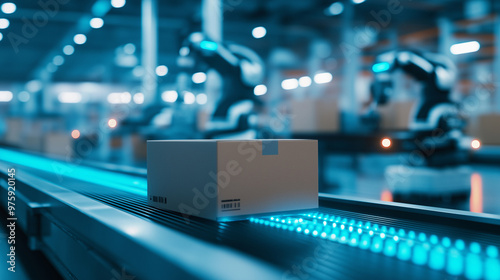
(324, 244)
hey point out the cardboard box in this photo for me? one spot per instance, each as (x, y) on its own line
(230, 180)
(396, 115)
(315, 115)
(486, 128)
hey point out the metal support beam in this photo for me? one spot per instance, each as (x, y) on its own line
(496, 66)
(150, 50)
(352, 54)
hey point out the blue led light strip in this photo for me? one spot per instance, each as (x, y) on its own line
(453, 257)
(61, 169)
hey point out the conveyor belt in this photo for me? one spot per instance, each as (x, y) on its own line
(326, 244)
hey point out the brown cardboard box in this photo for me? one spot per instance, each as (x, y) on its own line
(58, 143)
(314, 115)
(395, 115)
(486, 128)
(14, 131)
(140, 147)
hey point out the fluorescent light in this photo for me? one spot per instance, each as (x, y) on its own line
(305, 81)
(80, 39)
(467, 47)
(58, 60)
(138, 98)
(335, 9)
(323, 78)
(161, 70)
(189, 97)
(118, 3)
(260, 90)
(289, 84)
(4, 23)
(6, 96)
(199, 77)
(138, 71)
(68, 50)
(119, 98)
(69, 97)
(8, 8)
(381, 67)
(129, 48)
(23, 96)
(96, 23)
(259, 32)
(170, 96)
(201, 99)
(358, 1)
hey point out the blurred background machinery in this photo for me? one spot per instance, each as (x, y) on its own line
(403, 96)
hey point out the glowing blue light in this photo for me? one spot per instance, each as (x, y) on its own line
(376, 244)
(100, 8)
(420, 254)
(404, 251)
(430, 250)
(381, 67)
(433, 239)
(390, 248)
(475, 248)
(460, 244)
(208, 45)
(437, 258)
(455, 265)
(421, 237)
(492, 252)
(474, 266)
(446, 242)
(365, 241)
(272, 218)
(492, 269)
(62, 169)
(411, 235)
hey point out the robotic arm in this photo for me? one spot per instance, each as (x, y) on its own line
(241, 68)
(437, 74)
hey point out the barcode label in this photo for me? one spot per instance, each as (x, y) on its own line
(159, 199)
(230, 204)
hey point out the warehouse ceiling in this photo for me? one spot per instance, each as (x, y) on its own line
(37, 34)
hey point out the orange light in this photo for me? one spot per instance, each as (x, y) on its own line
(386, 142)
(75, 134)
(475, 144)
(476, 193)
(112, 123)
(386, 196)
